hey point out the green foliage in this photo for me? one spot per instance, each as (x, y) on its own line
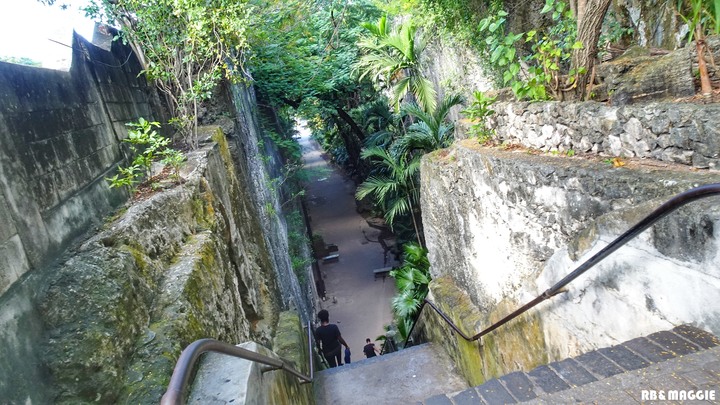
(394, 184)
(298, 245)
(431, 131)
(20, 61)
(411, 279)
(390, 59)
(186, 46)
(148, 146)
(455, 18)
(477, 113)
(614, 32)
(174, 159)
(302, 59)
(143, 138)
(549, 60)
(703, 13)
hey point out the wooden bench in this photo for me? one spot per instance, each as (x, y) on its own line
(382, 272)
(331, 258)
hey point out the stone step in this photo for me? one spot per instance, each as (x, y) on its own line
(402, 377)
(685, 358)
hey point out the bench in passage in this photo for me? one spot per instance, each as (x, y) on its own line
(331, 258)
(382, 272)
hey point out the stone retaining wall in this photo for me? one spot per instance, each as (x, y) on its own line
(672, 132)
(60, 134)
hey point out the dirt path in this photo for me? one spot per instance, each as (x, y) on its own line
(357, 302)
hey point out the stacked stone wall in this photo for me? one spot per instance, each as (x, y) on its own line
(683, 133)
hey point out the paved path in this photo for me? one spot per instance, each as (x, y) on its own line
(362, 306)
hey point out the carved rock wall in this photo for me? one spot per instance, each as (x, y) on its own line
(521, 221)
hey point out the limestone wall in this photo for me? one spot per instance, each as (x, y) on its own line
(260, 162)
(521, 221)
(186, 263)
(454, 69)
(60, 134)
(672, 132)
(106, 321)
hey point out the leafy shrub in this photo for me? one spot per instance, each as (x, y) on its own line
(478, 112)
(148, 146)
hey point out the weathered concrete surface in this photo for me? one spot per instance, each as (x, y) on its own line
(522, 221)
(671, 132)
(187, 263)
(695, 373)
(60, 134)
(402, 377)
(521, 344)
(685, 360)
(225, 379)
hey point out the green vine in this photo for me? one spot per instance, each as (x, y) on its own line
(548, 61)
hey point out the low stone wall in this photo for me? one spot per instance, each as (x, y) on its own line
(672, 132)
(521, 221)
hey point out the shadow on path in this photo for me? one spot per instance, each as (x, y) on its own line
(358, 303)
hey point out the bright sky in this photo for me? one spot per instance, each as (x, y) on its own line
(28, 26)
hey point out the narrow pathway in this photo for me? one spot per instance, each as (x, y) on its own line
(357, 302)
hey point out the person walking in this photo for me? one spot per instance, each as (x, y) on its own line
(370, 350)
(329, 340)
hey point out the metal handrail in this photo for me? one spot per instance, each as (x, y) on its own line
(175, 394)
(659, 213)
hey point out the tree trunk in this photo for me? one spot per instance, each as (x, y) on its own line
(352, 143)
(590, 18)
(351, 122)
(705, 85)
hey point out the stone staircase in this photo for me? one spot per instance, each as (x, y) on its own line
(403, 377)
(637, 371)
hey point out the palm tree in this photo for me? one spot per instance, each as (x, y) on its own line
(393, 185)
(411, 280)
(391, 58)
(432, 131)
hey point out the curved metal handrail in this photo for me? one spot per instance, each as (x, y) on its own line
(659, 213)
(175, 394)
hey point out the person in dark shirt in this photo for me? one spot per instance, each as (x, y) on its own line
(370, 350)
(329, 340)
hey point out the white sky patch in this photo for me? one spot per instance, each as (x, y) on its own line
(28, 29)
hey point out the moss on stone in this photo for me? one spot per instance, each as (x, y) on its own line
(202, 206)
(518, 345)
(289, 342)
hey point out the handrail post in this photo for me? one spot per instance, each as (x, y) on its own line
(175, 394)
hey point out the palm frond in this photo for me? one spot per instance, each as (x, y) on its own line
(398, 206)
(380, 187)
(401, 88)
(446, 104)
(423, 89)
(405, 305)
